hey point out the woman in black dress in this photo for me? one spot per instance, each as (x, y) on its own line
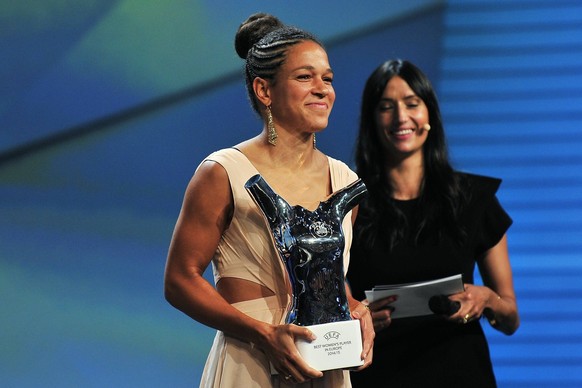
(422, 221)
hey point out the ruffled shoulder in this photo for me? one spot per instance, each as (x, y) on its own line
(484, 215)
(479, 187)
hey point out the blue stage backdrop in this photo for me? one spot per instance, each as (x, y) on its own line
(107, 108)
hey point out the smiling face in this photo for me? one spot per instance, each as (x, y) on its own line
(302, 95)
(400, 119)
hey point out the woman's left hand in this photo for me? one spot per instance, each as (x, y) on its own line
(473, 301)
(362, 313)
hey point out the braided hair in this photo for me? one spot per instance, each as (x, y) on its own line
(263, 41)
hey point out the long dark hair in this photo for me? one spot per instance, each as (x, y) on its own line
(440, 197)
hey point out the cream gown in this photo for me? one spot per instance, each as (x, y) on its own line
(246, 251)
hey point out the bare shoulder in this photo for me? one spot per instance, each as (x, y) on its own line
(210, 172)
(209, 188)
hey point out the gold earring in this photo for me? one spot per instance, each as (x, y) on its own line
(272, 135)
(314, 147)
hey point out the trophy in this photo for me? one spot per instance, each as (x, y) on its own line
(311, 245)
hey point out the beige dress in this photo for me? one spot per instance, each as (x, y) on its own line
(246, 251)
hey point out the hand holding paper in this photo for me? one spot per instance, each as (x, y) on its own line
(413, 298)
(441, 304)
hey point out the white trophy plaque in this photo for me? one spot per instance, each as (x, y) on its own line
(338, 346)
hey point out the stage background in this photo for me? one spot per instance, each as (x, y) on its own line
(107, 107)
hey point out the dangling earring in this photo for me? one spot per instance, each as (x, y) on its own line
(314, 147)
(272, 134)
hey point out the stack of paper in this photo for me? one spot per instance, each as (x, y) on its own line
(413, 297)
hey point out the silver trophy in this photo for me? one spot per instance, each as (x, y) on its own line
(311, 245)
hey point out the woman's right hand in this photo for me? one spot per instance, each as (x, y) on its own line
(279, 346)
(381, 310)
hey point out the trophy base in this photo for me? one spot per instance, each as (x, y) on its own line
(338, 346)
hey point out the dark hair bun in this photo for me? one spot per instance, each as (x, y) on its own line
(252, 30)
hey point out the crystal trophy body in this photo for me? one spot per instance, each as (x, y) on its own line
(311, 245)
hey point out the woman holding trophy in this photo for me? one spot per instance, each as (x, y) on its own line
(289, 83)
